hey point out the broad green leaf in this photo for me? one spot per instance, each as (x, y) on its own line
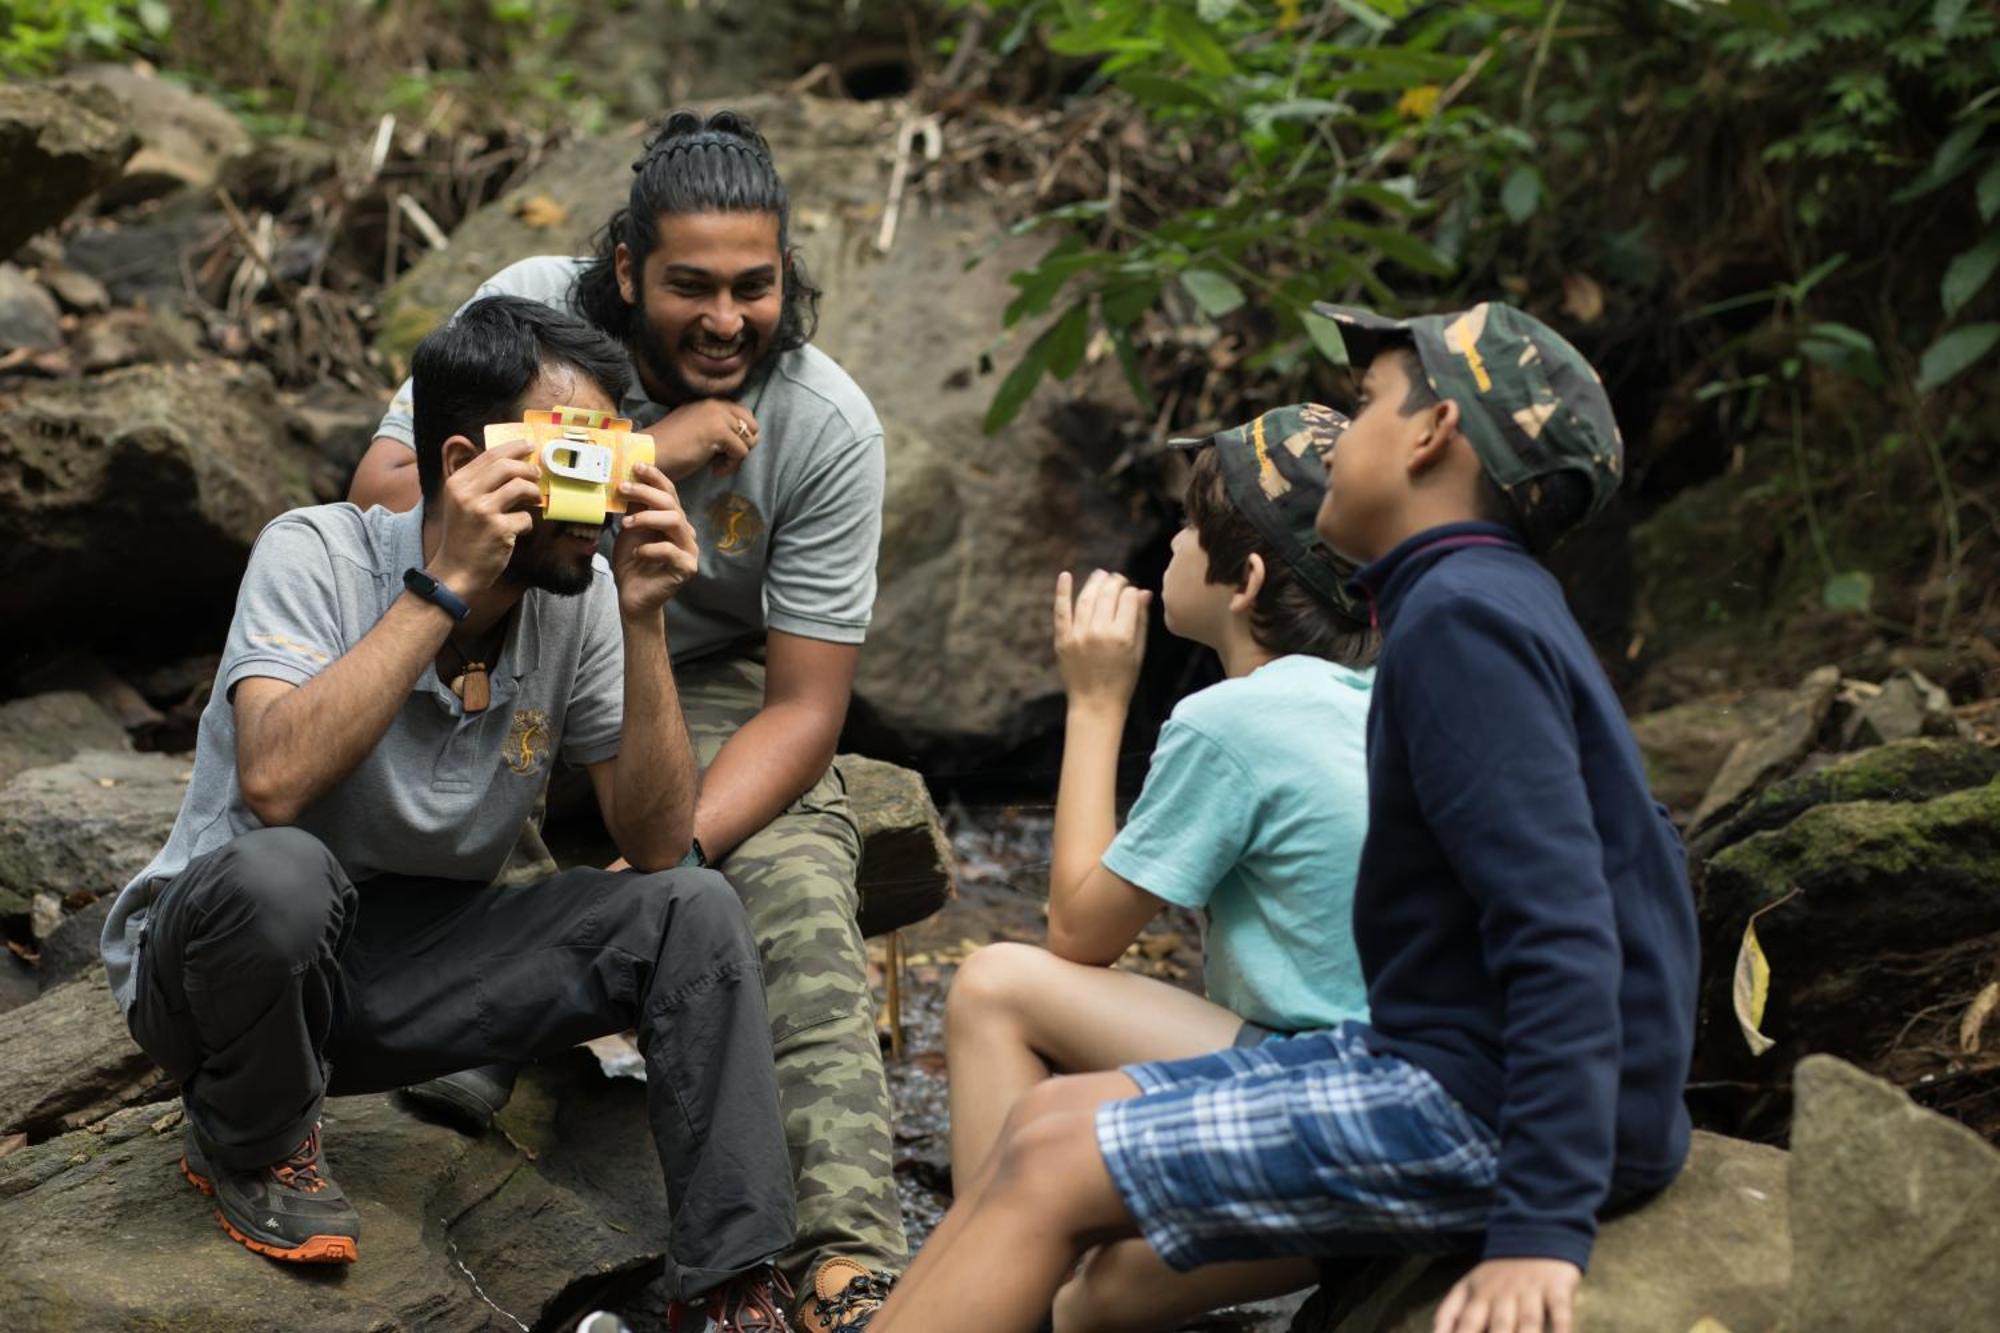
(1852, 590)
(1408, 250)
(1945, 15)
(155, 17)
(1665, 172)
(1128, 361)
(1845, 349)
(1953, 156)
(1955, 353)
(1522, 194)
(1121, 307)
(1066, 340)
(1193, 43)
(1214, 11)
(1989, 191)
(1014, 390)
(1762, 14)
(1387, 198)
(1154, 91)
(1325, 335)
(1215, 294)
(1968, 274)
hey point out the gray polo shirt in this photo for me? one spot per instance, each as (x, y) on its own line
(789, 541)
(444, 793)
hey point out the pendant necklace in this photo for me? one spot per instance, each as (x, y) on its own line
(470, 684)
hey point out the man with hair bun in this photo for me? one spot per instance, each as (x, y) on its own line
(777, 458)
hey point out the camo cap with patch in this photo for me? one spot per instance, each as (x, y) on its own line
(1274, 469)
(1528, 401)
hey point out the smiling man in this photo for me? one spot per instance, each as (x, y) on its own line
(778, 459)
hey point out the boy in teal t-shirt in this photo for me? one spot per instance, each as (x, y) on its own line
(1254, 809)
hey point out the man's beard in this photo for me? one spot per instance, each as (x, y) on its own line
(660, 369)
(538, 563)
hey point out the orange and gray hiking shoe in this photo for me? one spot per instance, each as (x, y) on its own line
(752, 1302)
(289, 1210)
(844, 1298)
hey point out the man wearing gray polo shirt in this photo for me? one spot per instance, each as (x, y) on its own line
(778, 457)
(392, 695)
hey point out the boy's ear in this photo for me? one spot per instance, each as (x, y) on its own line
(1249, 586)
(1433, 445)
(621, 268)
(457, 452)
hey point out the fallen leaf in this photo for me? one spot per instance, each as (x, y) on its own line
(13, 1143)
(1583, 299)
(1976, 1014)
(541, 211)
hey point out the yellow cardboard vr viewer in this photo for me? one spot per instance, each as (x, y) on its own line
(582, 455)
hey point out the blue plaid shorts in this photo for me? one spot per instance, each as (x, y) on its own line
(1309, 1146)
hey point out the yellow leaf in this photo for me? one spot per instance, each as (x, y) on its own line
(1583, 299)
(541, 212)
(1288, 14)
(1419, 103)
(1752, 988)
(1974, 1022)
(1708, 1324)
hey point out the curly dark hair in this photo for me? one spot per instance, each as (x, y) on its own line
(691, 165)
(1289, 617)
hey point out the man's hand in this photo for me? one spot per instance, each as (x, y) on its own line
(1101, 640)
(655, 552)
(488, 505)
(1511, 1296)
(709, 432)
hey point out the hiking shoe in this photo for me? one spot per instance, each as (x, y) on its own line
(844, 1298)
(290, 1210)
(753, 1302)
(467, 1100)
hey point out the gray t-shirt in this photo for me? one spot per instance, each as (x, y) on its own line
(789, 541)
(444, 793)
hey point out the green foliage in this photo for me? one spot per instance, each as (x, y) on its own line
(38, 37)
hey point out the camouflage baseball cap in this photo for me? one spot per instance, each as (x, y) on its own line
(1530, 404)
(1274, 469)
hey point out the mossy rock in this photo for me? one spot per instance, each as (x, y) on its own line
(1903, 771)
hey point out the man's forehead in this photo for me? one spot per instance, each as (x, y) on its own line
(560, 385)
(718, 243)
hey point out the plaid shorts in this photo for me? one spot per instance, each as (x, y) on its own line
(1305, 1146)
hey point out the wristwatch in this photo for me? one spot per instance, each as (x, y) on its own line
(428, 588)
(696, 858)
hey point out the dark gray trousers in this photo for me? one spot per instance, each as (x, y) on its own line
(268, 981)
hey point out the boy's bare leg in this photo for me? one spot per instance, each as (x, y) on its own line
(994, 1263)
(1018, 1014)
(1125, 1288)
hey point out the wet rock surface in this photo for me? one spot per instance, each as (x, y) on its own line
(59, 143)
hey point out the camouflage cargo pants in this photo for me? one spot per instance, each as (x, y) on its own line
(796, 876)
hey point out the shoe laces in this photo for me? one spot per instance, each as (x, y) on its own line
(754, 1302)
(303, 1171)
(855, 1304)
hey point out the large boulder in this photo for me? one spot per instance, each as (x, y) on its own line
(975, 527)
(69, 1061)
(524, 1227)
(59, 144)
(1895, 1211)
(1712, 1246)
(185, 140)
(129, 501)
(87, 825)
(1772, 751)
(1686, 745)
(907, 869)
(45, 729)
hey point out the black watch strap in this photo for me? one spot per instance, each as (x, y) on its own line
(428, 588)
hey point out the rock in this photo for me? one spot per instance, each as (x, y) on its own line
(975, 528)
(907, 870)
(69, 1061)
(28, 314)
(185, 140)
(48, 728)
(71, 949)
(1911, 770)
(1759, 758)
(1685, 745)
(137, 494)
(1712, 1245)
(86, 825)
(1895, 1211)
(456, 1233)
(1908, 705)
(138, 258)
(77, 291)
(131, 335)
(59, 144)
(1882, 920)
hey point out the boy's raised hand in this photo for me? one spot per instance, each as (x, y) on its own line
(1512, 1296)
(1100, 637)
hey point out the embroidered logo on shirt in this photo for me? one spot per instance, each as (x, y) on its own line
(735, 523)
(290, 645)
(527, 748)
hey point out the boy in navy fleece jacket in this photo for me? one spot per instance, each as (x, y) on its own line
(1522, 916)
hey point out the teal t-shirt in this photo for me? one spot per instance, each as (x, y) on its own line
(1254, 809)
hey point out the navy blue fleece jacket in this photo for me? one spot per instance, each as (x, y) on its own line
(1522, 913)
